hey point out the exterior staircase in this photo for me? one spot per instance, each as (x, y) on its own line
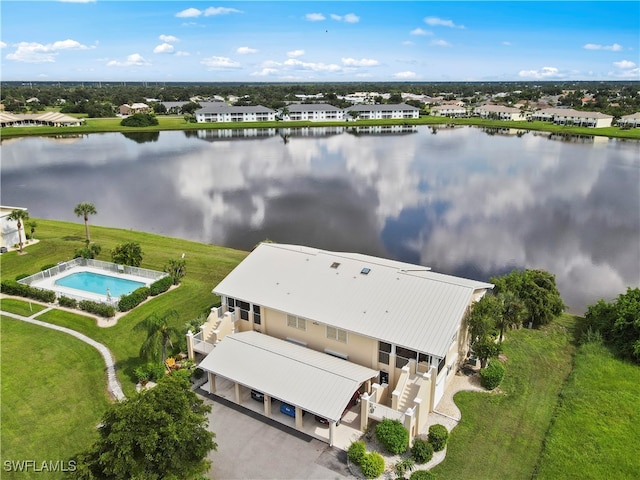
(410, 392)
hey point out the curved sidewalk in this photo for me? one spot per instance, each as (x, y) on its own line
(113, 385)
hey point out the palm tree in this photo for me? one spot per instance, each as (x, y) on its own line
(512, 311)
(19, 216)
(85, 209)
(159, 334)
(32, 224)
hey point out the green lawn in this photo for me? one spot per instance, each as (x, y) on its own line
(20, 307)
(501, 435)
(53, 395)
(206, 266)
(597, 426)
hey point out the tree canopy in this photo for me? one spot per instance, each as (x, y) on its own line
(84, 209)
(160, 433)
(127, 253)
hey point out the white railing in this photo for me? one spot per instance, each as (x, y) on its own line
(200, 346)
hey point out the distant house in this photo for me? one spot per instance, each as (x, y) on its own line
(134, 108)
(500, 112)
(448, 111)
(48, 119)
(382, 111)
(9, 235)
(315, 112)
(221, 112)
(630, 121)
(569, 116)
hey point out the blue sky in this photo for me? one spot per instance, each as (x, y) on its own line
(291, 41)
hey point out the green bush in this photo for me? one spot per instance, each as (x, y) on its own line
(160, 286)
(372, 465)
(438, 435)
(68, 302)
(421, 451)
(139, 120)
(357, 450)
(393, 436)
(492, 375)
(11, 287)
(198, 373)
(150, 372)
(135, 298)
(101, 309)
(47, 266)
(422, 475)
(21, 276)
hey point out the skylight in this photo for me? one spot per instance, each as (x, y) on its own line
(365, 271)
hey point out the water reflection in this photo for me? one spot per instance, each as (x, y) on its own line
(461, 201)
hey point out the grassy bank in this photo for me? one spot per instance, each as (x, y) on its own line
(206, 266)
(101, 125)
(50, 400)
(501, 434)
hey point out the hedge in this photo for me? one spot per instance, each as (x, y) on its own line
(422, 475)
(393, 436)
(135, 298)
(160, 286)
(421, 451)
(438, 435)
(101, 309)
(11, 287)
(372, 465)
(356, 452)
(492, 375)
(68, 302)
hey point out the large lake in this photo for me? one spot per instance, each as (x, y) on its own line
(463, 201)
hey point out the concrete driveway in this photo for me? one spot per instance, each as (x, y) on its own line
(251, 446)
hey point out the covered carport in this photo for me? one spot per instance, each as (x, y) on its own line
(311, 381)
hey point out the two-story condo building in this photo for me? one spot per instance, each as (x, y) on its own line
(630, 121)
(569, 116)
(313, 112)
(221, 112)
(309, 327)
(500, 112)
(382, 111)
(448, 111)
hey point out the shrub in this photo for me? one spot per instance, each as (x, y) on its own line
(403, 466)
(421, 451)
(198, 373)
(492, 375)
(101, 309)
(160, 286)
(21, 276)
(139, 120)
(393, 436)
(127, 253)
(372, 465)
(67, 302)
(150, 371)
(438, 435)
(11, 287)
(422, 475)
(135, 298)
(47, 266)
(356, 452)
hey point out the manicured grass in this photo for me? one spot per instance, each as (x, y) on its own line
(501, 434)
(53, 395)
(596, 429)
(206, 266)
(20, 307)
(97, 125)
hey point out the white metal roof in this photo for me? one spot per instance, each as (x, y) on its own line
(395, 302)
(314, 381)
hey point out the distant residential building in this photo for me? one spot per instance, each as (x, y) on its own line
(500, 112)
(448, 111)
(569, 116)
(631, 121)
(383, 111)
(134, 108)
(48, 119)
(313, 112)
(221, 112)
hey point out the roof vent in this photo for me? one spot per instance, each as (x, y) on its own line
(365, 271)
(335, 265)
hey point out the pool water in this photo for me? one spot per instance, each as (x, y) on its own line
(97, 283)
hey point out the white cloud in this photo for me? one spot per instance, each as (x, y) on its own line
(363, 62)
(264, 72)
(407, 74)
(2, 44)
(135, 59)
(189, 13)
(351, 18)
(624, 64)
(594, 46)
(270, 64)
(315, 17)
(420, 31)
(168, 38)
(295, 53)
(218, 63)
(440, 43)
(441, 22)
(246, 50)
(316, 67)
(508, 44)
(544, 72)
(33, 52)
(182, 54)
(633, 74)
(220, 11)
(163, 48)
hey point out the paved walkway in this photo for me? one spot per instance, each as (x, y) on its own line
(113, 385)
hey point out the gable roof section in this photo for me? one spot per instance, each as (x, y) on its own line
(312, 107)
(383, 107)
(395, 302)
(220, 107)
(316, 382)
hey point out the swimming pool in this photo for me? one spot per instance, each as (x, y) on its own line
(99, 284)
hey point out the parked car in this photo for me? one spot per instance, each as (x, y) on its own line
(289, 410)
(256, 395)
(355, 398)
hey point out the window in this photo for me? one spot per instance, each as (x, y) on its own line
(337, 334)
(403, 355)
(256, 315)
(296, 322)
(441, 364)
(384, 349)
(384, 377)
(231, 303)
